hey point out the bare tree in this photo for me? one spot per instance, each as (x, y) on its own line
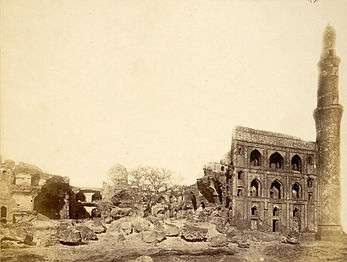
(151, 180)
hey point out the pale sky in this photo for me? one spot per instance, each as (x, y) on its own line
(88, 84)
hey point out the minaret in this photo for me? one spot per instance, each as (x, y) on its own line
(328, 118)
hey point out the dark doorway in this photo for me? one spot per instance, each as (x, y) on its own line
(193, 198)
(275, 225)
(3, 215)
(3, 212)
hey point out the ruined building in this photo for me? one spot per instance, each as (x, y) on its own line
(19, 184)
(275, 182)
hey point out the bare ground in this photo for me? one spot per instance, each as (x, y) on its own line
(176, 249)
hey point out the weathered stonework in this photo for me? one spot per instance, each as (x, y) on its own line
(19, 186)
(275, 182)
(328, 118)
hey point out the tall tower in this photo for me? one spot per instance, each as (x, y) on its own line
(327, 116)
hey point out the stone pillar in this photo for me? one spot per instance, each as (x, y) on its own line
(327, 116)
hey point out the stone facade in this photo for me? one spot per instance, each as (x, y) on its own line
(275, 182)
(328, 119)
(270, 181)
(19, 186)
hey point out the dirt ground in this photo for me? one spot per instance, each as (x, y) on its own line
(176, 249)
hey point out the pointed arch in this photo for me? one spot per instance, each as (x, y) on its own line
(296, 191)
(276, 189)
(276, 161)
(255, 158)
(255, 188)
(296, 163)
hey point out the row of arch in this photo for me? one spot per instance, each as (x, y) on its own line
(275, 211)
(276, 190)
(276, 160)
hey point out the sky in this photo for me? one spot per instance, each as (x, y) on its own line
(89, 84)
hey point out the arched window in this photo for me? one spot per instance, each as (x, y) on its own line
(255, 158)
(255, 188)
(254, 211)
(296, 191)
(296, 163)
(3, 212)
(276, 190)
(275, 211)
(239, 192)
(276, 161)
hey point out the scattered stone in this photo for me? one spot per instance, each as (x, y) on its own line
(96, 226)
(141, 224)
(118, 212)
(292, 240)
(108, 220)
(219, 241)
(171, 230)
(235, 239)
(8, 244)
(46, 239)
(194, 233)
(86, 233)
(28, 240)
(144, 259)
(158, 209)
(153, 236)
(231, 232)
(126, 228)
(243, 244)
(69, 236)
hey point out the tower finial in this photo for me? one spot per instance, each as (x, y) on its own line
(329, 38)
